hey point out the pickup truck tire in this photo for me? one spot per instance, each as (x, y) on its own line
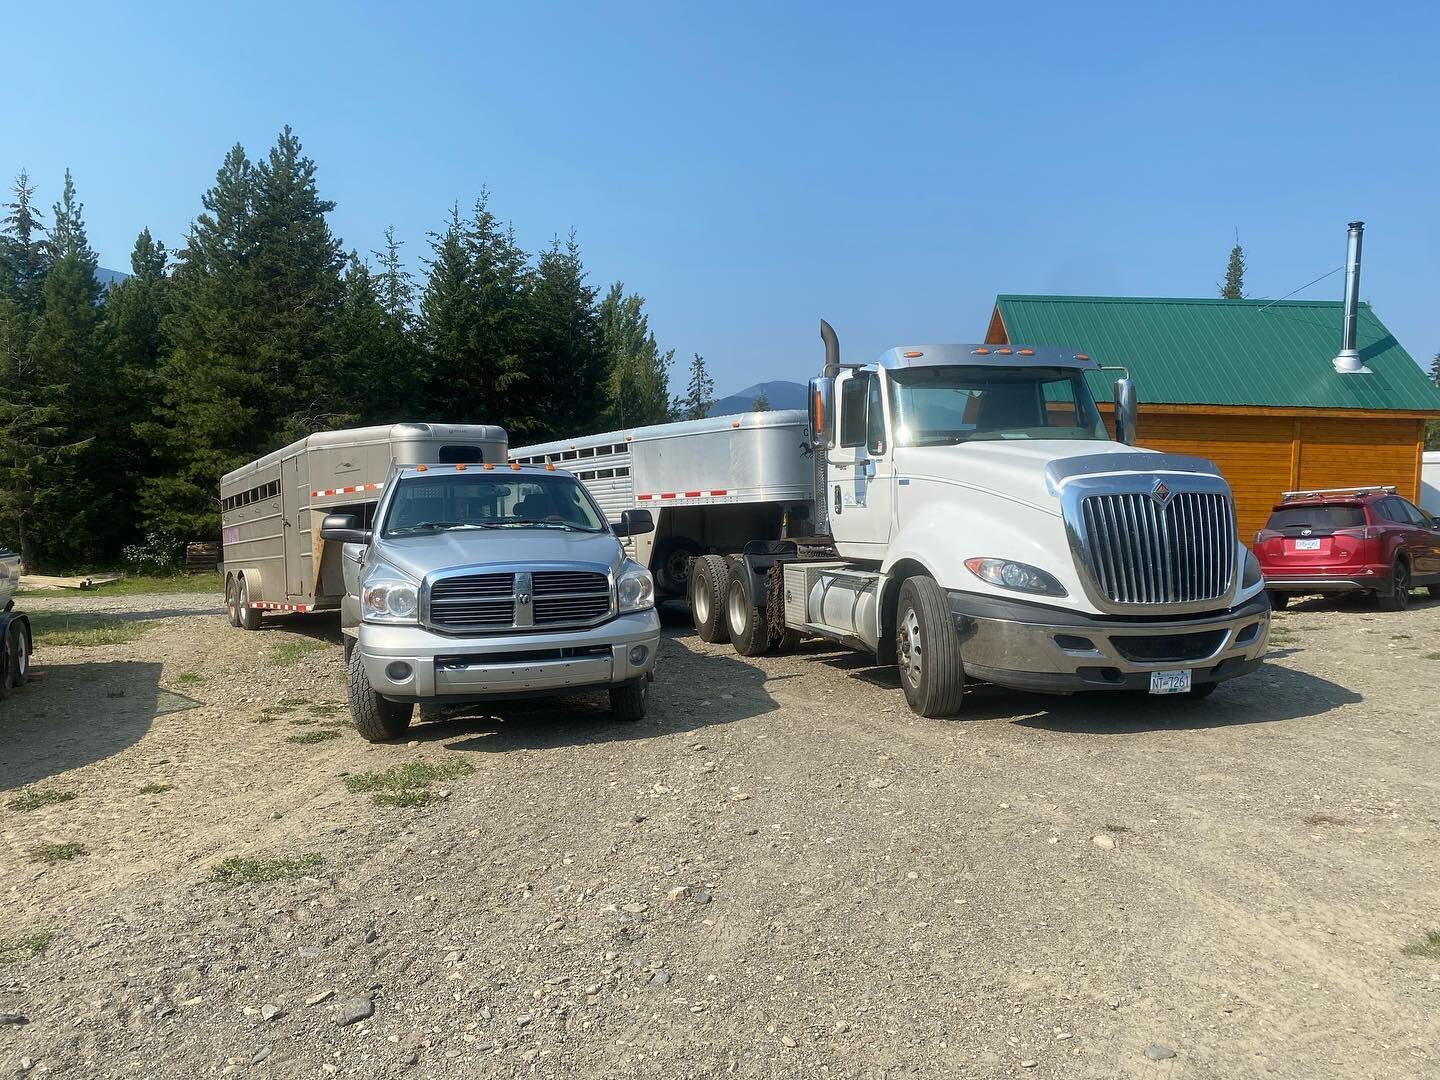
(628, 701)
(709, 586)
(17, 658)
(376, 718)
(927, 649)
(749, 626)
(1278, 600)
(1398, 598)
(249, 617)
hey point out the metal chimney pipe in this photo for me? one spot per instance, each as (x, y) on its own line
(1348, 361)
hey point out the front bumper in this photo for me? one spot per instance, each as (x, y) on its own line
(491, 668)
(1030, 647)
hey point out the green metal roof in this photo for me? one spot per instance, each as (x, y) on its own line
(1225, 352)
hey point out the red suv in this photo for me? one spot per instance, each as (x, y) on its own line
(1348, 540)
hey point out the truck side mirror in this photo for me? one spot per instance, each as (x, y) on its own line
(344, 528)
(1125, 411)
(634, 523)
(822, 412)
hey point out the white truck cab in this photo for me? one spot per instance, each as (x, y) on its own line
(485, 582)
(973, 520)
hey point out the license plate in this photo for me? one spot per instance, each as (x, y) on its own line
(1170, 682)
(1307, 545)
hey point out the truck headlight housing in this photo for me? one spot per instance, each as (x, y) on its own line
(1251, 575)
(1018, 576)
(634, 588)
(389, 596)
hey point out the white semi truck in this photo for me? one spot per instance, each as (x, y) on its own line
(968, 518)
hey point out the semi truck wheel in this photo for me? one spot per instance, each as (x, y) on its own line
(249, 617)
(628, 701)
(376, 718)
(748, 625)
(927, 649)
(232, 601)
(709, 586)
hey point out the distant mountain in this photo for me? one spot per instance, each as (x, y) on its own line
(106, 278)
(780, 394)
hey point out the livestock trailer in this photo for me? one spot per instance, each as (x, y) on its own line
(711, 484)
(274, 556)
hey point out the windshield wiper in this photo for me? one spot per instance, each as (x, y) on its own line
(536, 523)
(438, 525)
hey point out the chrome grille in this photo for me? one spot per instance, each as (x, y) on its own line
(518, 600)
(1143, 552)
(570, 596)
(474, 602)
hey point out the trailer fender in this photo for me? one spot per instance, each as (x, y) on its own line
(759, 556)
(254, 582)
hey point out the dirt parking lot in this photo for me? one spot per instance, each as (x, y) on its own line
(780, 873)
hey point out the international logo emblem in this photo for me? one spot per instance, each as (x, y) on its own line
(1160, 492)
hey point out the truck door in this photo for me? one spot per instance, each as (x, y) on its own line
(296, 506)
(862, 472)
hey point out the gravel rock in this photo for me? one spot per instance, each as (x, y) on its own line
(271, 1012)
(700, 896)
(1158, 1052)
(355, 1010)
(660, 978)
(13, 1018)
(1103, 841)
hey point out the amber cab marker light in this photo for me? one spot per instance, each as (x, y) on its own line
(488, 466)
(459, 466)
(1004, 352)
(422, 468)
(912, 354)
(1027, 352)
(549, 466)
(514, 466)
(980, 352)
(1081, 356)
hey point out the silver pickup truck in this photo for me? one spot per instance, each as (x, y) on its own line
(484, 582)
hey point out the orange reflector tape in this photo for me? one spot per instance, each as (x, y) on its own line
(980, 352)
(1004, 351)
(421, 468)
(913, 353)
(459, 466)
(1027, 352)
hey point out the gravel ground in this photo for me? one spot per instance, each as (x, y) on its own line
(780, 873)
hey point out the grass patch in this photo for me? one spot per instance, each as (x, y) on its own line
(1432, 656)
(58, 628)
(1324, 819)
(301, 720)
(50, 854)
(265, 718)
(156, 789)
(35, 798)
(408, 784)
(1281, 636)
(288, 702)
(1399, 637)
(325, 709)
(188, 678)
(1117, 828)
(240, 871)
(24, 946)
(142, 584)
(292, 652)
(1427, 948)
(305, 738)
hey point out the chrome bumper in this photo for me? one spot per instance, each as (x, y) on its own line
(1030, 647)
(411, 663)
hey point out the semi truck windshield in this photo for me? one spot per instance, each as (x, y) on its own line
(938, 406)
(491, 501)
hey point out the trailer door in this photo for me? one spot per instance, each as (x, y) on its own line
(294, 485)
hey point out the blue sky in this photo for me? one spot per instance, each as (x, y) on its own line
(750, 168)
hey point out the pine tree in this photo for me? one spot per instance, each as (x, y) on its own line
(565, 359)
(1435, 369)
(762, 403)
(700, 393)
(377, 373)
(638, 384)
(23, 252)
(1234, 286)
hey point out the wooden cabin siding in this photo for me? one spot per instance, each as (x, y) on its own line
(1264, 455)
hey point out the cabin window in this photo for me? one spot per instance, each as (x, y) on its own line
(461, 455)
(853, 394)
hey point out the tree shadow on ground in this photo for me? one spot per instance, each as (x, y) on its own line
(72, 715)
(691, 693)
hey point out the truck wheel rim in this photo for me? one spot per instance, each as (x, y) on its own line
(22, 655)
(908, 647)
(699, 601)
(677, 567)
(738, 614)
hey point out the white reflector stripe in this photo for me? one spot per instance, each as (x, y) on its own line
(345, 490)
(718, 493)
(262, 605)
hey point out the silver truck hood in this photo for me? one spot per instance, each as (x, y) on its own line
(432, 552)
(1013, 467)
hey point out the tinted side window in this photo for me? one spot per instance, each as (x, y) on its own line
(852, 410)
(1416, 516)
(1391, 510)
(875, 419)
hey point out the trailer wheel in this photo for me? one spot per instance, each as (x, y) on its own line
(232, 601)
(377, 719)
(17, 658)
(672, 562)
(927, 649)
(628, 701)
(249, 617)
(748, 625)
(709, 587)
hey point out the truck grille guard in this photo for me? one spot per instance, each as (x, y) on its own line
(1151, 534)
(514, 598)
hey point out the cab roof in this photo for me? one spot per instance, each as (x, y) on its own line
(984, 355)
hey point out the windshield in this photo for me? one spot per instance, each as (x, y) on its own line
(491, 501)
(937, 406)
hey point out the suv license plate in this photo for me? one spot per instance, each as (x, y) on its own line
(1307, 545)
(1170, 682)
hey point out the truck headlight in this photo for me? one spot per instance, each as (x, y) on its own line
(389, 596)
(1251, 576)
(635, 588)
(1021, 577)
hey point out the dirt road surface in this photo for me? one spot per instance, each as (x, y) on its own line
(780, 873)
